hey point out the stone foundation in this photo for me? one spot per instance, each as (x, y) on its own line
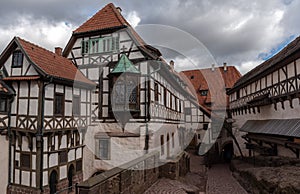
(175, 168)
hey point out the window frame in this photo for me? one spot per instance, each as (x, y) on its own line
(61, 111)
(20, 56)
(99, 156)
(21, 164)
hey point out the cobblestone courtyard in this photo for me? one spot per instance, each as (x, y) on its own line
(216, 180)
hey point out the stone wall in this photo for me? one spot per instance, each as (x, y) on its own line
(132, 177)
(174, 168)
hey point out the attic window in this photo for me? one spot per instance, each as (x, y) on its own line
(100, 45)
(17, 59)
(203, 92)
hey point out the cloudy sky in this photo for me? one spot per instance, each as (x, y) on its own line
(239, 32)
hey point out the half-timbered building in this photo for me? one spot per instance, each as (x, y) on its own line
(140, 103)
(210, 84)
(47, 114)
(265, 105)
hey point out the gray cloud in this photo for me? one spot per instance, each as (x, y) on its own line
(235, 31)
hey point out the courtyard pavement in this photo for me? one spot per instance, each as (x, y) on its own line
(216, 180)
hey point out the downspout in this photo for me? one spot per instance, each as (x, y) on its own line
(9, 138)
(147, 119)
(39, 135)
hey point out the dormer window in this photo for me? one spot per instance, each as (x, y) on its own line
(17, 59)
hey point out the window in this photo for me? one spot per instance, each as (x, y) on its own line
(173, 140)
(25, 161)
(63, 157)
(156, 91)
(165, 96)
(192, 77)
(100, 45)
(3, 105)
(205, 126)
(78, 165)
(17, 59)
(76, 105)
(125, 92)
(203, 92)
(188, 111)
(162, 151)
(104, 148)
(59, 102)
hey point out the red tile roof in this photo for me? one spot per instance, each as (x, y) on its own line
(107, 18)
(215, 82)
(110, 18)
(51, 63)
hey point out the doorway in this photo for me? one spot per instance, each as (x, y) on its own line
(53, 182)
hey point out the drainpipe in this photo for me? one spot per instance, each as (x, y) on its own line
(39, 135)
(9, 139)
(147, 110)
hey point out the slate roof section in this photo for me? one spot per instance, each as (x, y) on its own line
(214, 82)
(52, 64)
(285, 127)
(254, 74)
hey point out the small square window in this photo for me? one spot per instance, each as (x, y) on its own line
(17, 59)
(104, 148)
(63, 157)
(25, 161)
(205, 126)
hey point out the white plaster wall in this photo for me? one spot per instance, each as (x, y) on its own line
(4, 163)
(266, 112)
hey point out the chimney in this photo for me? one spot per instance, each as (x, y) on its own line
(58, 51)
(172, 64)
(213, 67)
(225, 66)
(119, 9)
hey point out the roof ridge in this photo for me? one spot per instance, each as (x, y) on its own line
(117, 14)
(40, 47)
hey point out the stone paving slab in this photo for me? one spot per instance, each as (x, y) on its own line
(221, 181)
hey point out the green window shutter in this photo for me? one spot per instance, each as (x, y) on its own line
(85, 47)
(100, 45)
(115, 43)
